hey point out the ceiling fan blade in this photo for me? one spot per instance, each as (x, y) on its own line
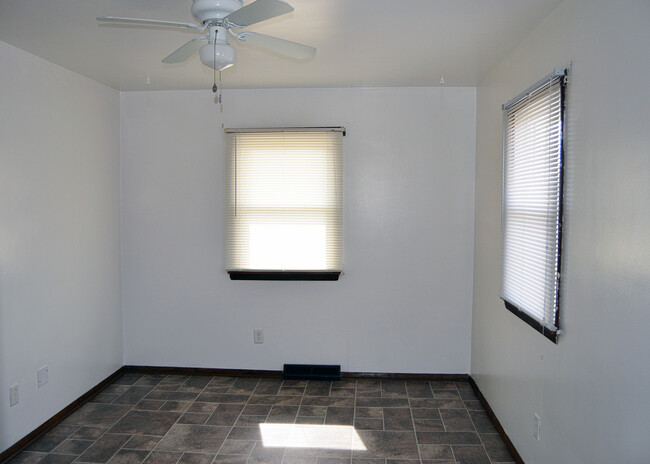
(257, 11)
(274, 44)
(186, 50)
(147, 22)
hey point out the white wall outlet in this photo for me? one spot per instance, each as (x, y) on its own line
(42, 376)
(13, 395)
(258, 336)
(537, 426)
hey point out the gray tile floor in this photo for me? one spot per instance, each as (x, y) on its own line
(228, 420)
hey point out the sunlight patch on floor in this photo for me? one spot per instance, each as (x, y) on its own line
(340, 437)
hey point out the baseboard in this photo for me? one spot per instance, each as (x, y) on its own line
(405, 376)
(495, 421)
(202, 371)
(278, 374)
(58, 417)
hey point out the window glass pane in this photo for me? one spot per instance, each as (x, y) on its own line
(284, 200)
(531, 210)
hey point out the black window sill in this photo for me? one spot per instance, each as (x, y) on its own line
(284, 275)
(552, 335)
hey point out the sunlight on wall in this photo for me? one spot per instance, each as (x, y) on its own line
(341, 437)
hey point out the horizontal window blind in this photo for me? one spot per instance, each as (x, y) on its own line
(532, 194)
(284, 200)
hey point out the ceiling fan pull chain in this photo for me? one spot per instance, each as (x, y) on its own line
(220, 90)
(214, 67)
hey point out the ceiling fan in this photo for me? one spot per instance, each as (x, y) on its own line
(219, 18)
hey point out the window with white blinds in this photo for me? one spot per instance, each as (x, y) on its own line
(284, 201)
(532, 203)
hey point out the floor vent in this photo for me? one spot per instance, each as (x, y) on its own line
(311, 372)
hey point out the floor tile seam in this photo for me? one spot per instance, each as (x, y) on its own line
(480, 439)
(432, 390)
(354, 416)
(465, 408)
(461, 443)
(295, 419)
(65, 437)
(383, 419)
(237, 419)
(72, 454)
(63, 454)
(417, 443)
(442, 419)
(108, 429)
(452, 453)
(179, 418)
(474, 444)
(284, 452)
(120, 449)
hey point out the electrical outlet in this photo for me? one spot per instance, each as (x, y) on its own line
(537, 426)
(42, 376)
(258, 336)
(13, 395)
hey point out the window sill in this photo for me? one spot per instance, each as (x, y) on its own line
(552, 335)
(285, 275)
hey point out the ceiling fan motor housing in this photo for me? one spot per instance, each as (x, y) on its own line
(205, 10)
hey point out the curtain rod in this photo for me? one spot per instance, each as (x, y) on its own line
(288, 129)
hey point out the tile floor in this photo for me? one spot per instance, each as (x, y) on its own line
(227, 420)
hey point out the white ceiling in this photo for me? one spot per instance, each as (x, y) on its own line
(359, 42)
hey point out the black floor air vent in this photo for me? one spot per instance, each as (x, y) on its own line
(311, 372)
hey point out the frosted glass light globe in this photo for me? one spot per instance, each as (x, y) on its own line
(219, 56)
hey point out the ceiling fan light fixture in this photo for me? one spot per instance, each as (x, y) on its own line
(218, 57)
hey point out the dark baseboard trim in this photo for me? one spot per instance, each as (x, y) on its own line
(389, 376)
(58, 417)
(202, 371)
(495, 421)
(278, 374)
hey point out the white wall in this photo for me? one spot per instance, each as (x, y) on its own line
(404, 303)
(59, 237)
(592, 389)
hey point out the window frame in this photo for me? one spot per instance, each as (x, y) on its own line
(282, 274)
(559, 77)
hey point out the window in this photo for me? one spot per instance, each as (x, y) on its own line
(284, 204)
(532, 203)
